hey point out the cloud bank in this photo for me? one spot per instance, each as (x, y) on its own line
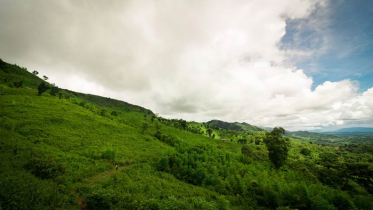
(196, 60)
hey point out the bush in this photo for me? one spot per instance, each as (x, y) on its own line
(108, 154)
(168, 139)
(21, 190)
(45, 166)
(18, 84)
(100, 199)
(247, 150)
(42, 88)
(114, 113)
(305, 151)
(54, 91)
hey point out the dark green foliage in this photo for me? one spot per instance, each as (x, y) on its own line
(2, 63)
(22, 190)
(114, 113)
(168, 139)
(100, 199)
(247, 150)
(209, 131)
(54, 90)
(102, 112)
(45, 166)
(144, 127)
(42, 88)
(183, 124)
(233, 126)
(18, 84)
(328, 159)
(108, 154)
(305, 151)
(242, 141)
(109, 102)
(277, 147)
(362, 174)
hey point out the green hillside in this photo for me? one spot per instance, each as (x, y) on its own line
(59, 151)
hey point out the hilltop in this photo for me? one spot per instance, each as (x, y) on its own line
(59, 150)
(234, 126)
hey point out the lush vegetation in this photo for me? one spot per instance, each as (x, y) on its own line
(59, 150)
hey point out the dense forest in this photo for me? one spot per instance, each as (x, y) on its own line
(59, 150)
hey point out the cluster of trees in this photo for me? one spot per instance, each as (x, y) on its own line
(231, 175)
(222, 172)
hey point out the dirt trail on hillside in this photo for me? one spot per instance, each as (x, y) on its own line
(81, 201)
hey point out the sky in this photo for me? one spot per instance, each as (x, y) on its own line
(299, 64)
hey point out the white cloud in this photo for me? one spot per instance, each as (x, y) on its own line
(196, 60)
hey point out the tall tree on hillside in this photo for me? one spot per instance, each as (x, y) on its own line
(35, 73)
(144, 127)
(183, 124)
(277, 146)
(209, 131)
(42, 88)
(45, 78)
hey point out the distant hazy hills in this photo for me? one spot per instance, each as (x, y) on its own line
(353, 131)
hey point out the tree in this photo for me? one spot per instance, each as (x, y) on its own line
(54, 90)
(35, 73)
(209, 131)
(305, 151)
(158, 126)
(277, 147)
(242, 141)
(42, 88)
(328, 160)
(18, 84)
(144, 127)
(45, 78)
(247, 150)
(183, 124)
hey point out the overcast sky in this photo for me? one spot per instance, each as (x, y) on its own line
(300, 64)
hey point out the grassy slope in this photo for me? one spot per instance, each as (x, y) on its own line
(76, 138)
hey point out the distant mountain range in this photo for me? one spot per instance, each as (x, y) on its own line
(353, 131)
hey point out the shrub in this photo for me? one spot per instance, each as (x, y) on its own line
(18, 84)
(247, 150)
(305, 151)
(45, 166)
(54, 90)
(42, 88)
(108, 154)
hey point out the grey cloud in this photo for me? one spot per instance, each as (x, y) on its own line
(196, 60)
